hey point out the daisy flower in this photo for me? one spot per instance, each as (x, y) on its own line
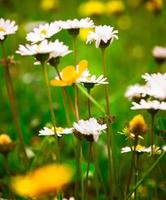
(90, 128)
(42, 32)
(77, 24)
(103, 36)
(159, 52)
(59, 131)
(149, 105)
(7, 27)
(156, 85)
(71, 198)
(70, 74)
(135, 91)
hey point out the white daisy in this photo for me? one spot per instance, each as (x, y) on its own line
(59, 131)
(71, 198)
(135, 91)
(142, 149)
(149, 105)
(103, 35)
(76, 24)
(42, 32)
(92, 79)
(89, 127)
(7, 27)
(159, 52)
(156, 85)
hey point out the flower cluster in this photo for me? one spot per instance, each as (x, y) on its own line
(151, 96)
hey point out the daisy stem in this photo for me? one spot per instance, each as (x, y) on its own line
(109, 139)
(152, 130)
(51, 107)
(12, 100)
(82, 175)
(64, 94)
(78, 146)
(88, 167)
(89, 104)
(96, 169)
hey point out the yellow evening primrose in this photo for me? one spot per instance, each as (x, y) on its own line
(91, 8)
(70, 74)
(42, 181)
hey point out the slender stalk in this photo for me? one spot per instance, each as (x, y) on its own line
(51, 106)
(89, 104)
(12, 100)
(96, 167)
(78, 146)
(82, 175)
(136, 175)
(152, 131)
(109, 139)
(88, 167)
(146, 174)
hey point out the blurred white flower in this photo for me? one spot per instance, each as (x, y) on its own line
(141, 149)
(149, 105)
(156, 85)
(75, 23)
(135, 91)
(71, 198)
(42, 32)
(102, 35)
(7, 27)
(164, 148)
(89, 127)
(59, 131)
(159, 52)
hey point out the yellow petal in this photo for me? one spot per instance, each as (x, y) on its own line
(82, 66)
(58, 83)
(69, 74)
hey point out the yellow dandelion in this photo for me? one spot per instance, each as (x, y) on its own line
(137, 125)
(42, 181)
(70, 74)
(115, 7)
(91, 8)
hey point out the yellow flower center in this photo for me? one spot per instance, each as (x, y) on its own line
(59, 129)
(139, 147)
(43, 31)
(2, 29)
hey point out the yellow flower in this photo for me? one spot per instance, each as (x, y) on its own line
(115, 7)
(6, 144)
(70, 74)
(83, 34)
(154, 5)
(137, 125)
(49, 4)
(42, 181)
(5, 139)
(91, 8)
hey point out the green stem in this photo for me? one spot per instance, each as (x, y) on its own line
(76, 97)
(152, 131)
(146, 174)
(78, 145)
(51, 107)
(82, 175)
(12, 100)
(88, 167)
(89, 105)
(109, 139)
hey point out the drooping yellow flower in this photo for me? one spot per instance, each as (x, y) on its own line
(83, 34)
(91, 8)
(49, 4)
(115, 7)
(42, 181)
(70, 74)
(137, 125)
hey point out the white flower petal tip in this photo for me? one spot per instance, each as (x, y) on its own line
(7, 27)
(102, 34)
(89, 127)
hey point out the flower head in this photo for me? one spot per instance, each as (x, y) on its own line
(92, 8)
(70, 74)
(59, 131)
(159, 52)
(103, 36)
(149, 105)
(137, 125)
(42, 181)
(156, 85)
(42, 32)
(89, 128)
(115, 7)
(135, 92)
(6, 144)
(7, 27)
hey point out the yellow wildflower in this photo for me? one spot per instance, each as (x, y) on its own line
(154, 5)
(42, 181)
(115, 7)
(137, 125)
(49, 4)
(83, 34)
(91, 8)
(5, 139)
(6, 144)
(70, 74)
